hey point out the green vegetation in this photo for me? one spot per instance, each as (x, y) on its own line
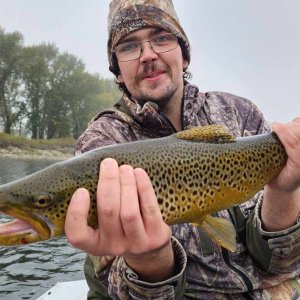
(18, 146)
(46, 94)
(7, 140)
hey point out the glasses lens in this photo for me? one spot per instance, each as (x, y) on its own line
(159, 43)
(128, 51)
(164, 42)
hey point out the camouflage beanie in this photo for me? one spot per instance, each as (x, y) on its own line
(126, 16)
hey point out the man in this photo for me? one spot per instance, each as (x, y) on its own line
(134, 254)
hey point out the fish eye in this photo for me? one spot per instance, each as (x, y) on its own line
(42, 200)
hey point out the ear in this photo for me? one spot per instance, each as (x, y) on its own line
(120, 78)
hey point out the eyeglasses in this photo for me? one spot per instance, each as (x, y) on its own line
(159, 44)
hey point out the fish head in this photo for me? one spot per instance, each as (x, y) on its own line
(38, 203)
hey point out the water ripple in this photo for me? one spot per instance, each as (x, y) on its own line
(28, 271)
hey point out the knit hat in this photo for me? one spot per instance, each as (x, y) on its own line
(126, 16)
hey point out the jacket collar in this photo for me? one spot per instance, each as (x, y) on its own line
(149, 116)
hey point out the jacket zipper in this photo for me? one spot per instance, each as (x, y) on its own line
(240, 273)
(169, 122)
(181, 117)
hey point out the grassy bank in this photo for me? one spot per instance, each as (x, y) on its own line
(16, 146)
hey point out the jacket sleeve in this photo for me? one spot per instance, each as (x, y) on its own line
(118, 281)
(97, 291)
(274, 252)
(103, 132)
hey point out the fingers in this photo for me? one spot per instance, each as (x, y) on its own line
(129, 217)
(297, 120)
(150, 210)
(130, 210)
(108, 202)
(76, 227)
(289, 133)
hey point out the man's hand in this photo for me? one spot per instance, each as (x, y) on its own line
(281, 205)
(289, 134)
(130, 222)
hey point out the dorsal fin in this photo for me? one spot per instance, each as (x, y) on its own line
(210, 133)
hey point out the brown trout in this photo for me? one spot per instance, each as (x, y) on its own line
(194, 173)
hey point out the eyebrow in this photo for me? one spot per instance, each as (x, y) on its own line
(133, 37)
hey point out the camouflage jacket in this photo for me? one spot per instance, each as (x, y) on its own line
(265, 266)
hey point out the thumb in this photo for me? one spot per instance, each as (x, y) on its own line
(76, 226)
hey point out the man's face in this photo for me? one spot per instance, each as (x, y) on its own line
(154, 77)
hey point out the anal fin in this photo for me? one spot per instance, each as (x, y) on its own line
(220, 231)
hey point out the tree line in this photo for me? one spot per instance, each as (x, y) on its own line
(47, 94)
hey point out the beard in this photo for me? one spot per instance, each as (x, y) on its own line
(160, 95)
(162, 98)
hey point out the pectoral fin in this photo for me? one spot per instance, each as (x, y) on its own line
(220, 231)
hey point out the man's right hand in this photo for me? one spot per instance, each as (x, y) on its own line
(130, 222)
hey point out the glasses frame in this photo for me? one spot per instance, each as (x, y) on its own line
(146, 41)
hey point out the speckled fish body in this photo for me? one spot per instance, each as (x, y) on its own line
(194, 173)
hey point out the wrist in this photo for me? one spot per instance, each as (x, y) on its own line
(280, 208)
(153, 266)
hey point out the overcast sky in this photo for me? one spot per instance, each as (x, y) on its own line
(250, 48)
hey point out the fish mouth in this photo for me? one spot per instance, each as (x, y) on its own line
(25, 228)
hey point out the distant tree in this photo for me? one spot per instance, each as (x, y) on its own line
(36, 75)
(111, 87)
(107, 97)
(64, 90)
(100, 94)
(74, 97)
(12, 105)
(50, 92)
(86, 88)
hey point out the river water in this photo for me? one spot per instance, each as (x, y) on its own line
(27, 272)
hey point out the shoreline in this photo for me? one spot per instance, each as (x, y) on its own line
(34, 154)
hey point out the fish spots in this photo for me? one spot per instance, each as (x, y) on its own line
(201, 203)
(211, 193)
(179, 187)
(171, 192)
(172, 208)
(190, 179)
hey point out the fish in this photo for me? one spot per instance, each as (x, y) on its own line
(195, 173)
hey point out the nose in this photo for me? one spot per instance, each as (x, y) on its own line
(147, 52)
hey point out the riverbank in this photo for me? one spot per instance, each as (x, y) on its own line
(19, 147)
(14, 152)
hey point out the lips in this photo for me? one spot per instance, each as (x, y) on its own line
(154, 74)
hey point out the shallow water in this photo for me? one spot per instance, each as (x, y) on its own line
(27, 272)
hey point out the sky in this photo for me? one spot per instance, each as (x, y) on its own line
(250, 48)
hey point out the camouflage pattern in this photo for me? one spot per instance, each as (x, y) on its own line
(126, 16)
(266, 265)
